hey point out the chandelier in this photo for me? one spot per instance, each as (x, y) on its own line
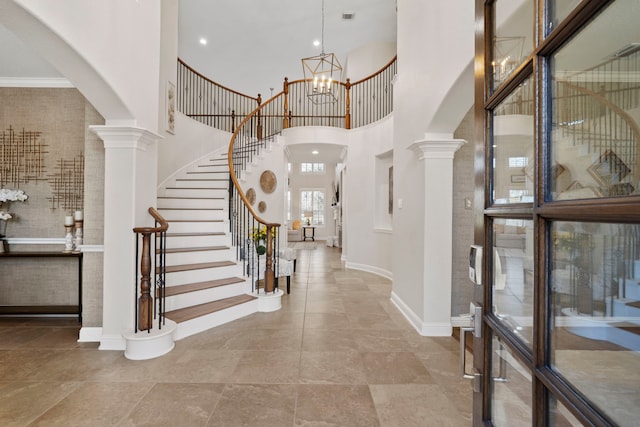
(322, 74)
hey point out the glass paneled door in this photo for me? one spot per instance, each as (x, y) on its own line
(558, 119)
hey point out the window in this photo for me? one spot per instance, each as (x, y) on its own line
(312, 168)
(312, 201)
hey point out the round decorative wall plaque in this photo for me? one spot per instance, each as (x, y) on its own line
(262, 206)
(268, 181)
(251, 196)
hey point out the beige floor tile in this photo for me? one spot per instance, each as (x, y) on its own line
(381, 340)
(335, 405)
(326, 367)
(329, 340)
(23, 402)
(259, 405)
(395, 368)
(267, 367)
(94, 404)
(175, 404)
(326, 321)
(415, 405)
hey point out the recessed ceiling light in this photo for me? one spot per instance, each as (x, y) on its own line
(316, 43)
(203, 41)
(314, 152)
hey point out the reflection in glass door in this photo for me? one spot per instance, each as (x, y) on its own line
(561, 131)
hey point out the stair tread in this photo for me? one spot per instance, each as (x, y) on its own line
(193, 287)
(635, 304)
(196, 266)
(634, 328)
(188, 313)
(202, 179)
(195, 249)
(204, 172)
(209, 233)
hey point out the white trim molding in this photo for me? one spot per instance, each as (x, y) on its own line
(39, 82)
(90, 334)
(436, 147)
(370, 269)
(426, 329)
(125, 136)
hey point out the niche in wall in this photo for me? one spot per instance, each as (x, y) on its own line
(383, 191)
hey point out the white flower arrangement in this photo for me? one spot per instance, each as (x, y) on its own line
(8, 196)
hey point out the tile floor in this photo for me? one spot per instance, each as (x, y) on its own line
(338, 353)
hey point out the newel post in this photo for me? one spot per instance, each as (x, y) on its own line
(285, 88)
(145, 301)
(269, 276)
(347, 115)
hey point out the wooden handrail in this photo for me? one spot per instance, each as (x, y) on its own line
(164, 225)
(214, 83)
(380, 71)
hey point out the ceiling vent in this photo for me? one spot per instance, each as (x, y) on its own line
(348, 16)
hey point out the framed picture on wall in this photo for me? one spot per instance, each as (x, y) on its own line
(170, 107)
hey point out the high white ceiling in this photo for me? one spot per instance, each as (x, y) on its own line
(253, 44)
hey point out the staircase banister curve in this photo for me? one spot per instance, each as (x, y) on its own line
(187, 66)
(232, 172)
(164, 225)
(635, 129)
(377, 73)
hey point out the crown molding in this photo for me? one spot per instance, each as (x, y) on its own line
(36, 82)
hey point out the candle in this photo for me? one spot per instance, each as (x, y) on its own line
(77, 215)
(68, 220)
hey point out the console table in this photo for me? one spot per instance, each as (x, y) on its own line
(305, 236)
(47, 309)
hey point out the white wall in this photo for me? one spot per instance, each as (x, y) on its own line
(367, 247)
(109, 50)
(368, 59)
(435, 48)
(192, 141)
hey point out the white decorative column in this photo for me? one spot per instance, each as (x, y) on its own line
(437, 151)
(129, 191)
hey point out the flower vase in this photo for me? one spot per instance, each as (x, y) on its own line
(261, 247)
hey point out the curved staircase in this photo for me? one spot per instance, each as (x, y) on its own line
(205, 286)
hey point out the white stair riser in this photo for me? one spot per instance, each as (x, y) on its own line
(204, 174)
(199, 227)
(198, 241)
(194, 326)
(196, 192)
(200, 182)
(192, 203)
(180, 258)
(201, 275)
(206, 295)
(170, 214)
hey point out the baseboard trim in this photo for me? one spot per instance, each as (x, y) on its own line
(112, 342)
(426, 329)
(90, 334)
(370, 269)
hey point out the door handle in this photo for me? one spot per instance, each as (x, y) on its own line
(463, 352)
(474, 326)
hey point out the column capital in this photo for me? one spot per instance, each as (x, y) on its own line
(436, 147)
(125, 136)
